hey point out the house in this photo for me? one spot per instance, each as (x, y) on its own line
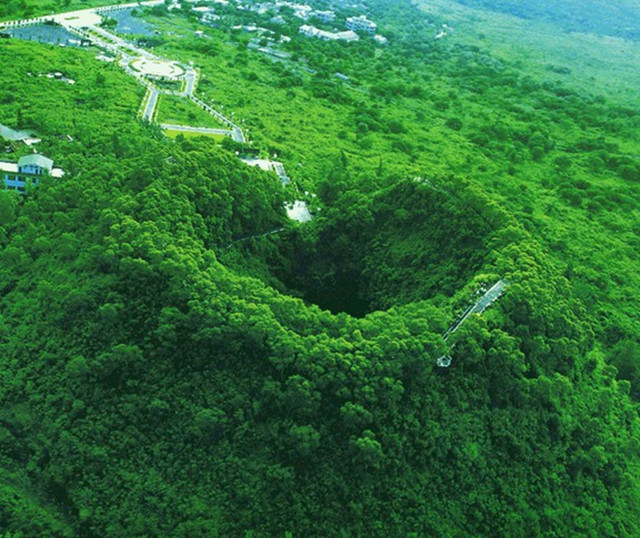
(309, 31)
(361, 24)
(312, 31)
(302, 11)
(324, 16)
(28, 169)
(349, 35)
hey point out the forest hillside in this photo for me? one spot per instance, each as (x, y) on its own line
(180, 358)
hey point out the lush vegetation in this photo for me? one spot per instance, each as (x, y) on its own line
(165, 371)
(176, 110)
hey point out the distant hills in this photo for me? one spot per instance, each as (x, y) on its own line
(619, 18)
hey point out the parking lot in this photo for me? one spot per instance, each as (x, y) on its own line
(43, 33)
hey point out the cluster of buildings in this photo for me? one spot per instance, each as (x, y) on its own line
(353, 24)
(206, 13)
(305, 12)
(29, 169)
(301, 11)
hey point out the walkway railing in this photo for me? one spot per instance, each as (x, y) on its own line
(489, 297)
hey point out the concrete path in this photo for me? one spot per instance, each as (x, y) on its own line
(478, 307)
(152, 102)
(190, 80)
(246, 238)
(238, 135)
(489, 297)
(203, 130)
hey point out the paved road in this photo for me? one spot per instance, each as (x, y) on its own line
(238, 135)
(188, 129)
(86, 24)
(99, 41)
(121, 43)
(190, 79)
(152, 102)
(90, 17)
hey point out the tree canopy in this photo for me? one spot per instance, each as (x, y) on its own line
(170, 370)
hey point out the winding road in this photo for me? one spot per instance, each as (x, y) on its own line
(86, 24)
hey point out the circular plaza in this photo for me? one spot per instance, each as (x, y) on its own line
(158, 69)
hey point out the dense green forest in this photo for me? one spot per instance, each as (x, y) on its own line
(169, 371)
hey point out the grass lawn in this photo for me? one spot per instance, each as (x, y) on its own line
(180, 111)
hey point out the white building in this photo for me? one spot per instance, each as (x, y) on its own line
(309, 31)
(381, 40)
(28, 169)
(349, 35)
(361, 24)
(312, 31)
(324, 16)
(302, 11)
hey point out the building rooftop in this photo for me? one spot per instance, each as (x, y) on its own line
(36, 160)
(8, 167)
(312, 31)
